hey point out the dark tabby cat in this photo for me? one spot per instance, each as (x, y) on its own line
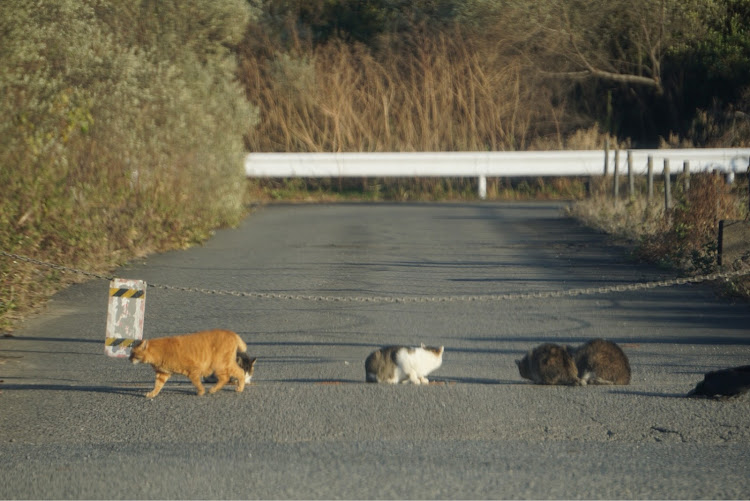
(549, 364)
(596, 362)
(602, 362)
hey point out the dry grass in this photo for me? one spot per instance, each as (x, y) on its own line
(431, 93)
(412, 189)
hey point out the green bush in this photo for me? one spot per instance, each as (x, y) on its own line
(122, 132)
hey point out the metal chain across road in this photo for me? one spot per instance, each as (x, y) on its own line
(726, 275)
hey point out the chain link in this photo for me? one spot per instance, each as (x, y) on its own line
(727, 275)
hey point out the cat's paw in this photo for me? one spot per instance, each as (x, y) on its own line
(151, 394)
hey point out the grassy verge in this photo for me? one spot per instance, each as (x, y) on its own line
(409, 189)
(683, 238)
(113, 140)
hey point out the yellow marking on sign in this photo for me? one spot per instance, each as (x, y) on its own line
(119, 341)
(127, 293)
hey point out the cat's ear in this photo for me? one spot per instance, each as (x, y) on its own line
(140, 343)
(252, 361)
(422, 345)
(440, 351)
(518, 363)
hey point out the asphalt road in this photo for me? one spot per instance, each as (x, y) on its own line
(75, 423)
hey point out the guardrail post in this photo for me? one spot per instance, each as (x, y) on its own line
(616, 181)
(650, 178)
(667, 186)
(686, 176)
(482, 187)
(606, 156)
(631, 177)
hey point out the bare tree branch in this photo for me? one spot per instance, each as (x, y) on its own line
(606, 75)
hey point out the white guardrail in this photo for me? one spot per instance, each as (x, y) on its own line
(489, 164)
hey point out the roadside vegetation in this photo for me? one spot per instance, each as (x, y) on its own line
(113, 136)
(683, 238)
(124, 124)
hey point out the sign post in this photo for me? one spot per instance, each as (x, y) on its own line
(125, 314)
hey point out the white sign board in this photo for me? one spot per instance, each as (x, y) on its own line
(127, 306)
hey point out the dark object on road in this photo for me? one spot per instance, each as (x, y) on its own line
(549, 363)
(724, 383)
(601, 362)
(596, 362)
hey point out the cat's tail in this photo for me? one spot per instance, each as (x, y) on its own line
(241, 346)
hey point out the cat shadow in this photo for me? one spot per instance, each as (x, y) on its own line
(50, 352)
(187, 389)
(436, 381)
(473, 380)
(648, 394)
(12, 338)
(68, 387)
(313, 381)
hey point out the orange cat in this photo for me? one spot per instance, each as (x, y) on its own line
(193, 355)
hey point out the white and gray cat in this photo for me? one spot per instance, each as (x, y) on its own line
(402, 364)
(595, 362)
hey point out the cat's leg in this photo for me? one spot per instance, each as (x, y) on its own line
(598, 380)
(239, 375)
(590, 377)
(222, 379)
(161, 378)
(195, 378)
(414, 378)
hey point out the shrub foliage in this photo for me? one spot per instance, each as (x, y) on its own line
(121, 132)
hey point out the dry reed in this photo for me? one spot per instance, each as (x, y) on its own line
(439, 93)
